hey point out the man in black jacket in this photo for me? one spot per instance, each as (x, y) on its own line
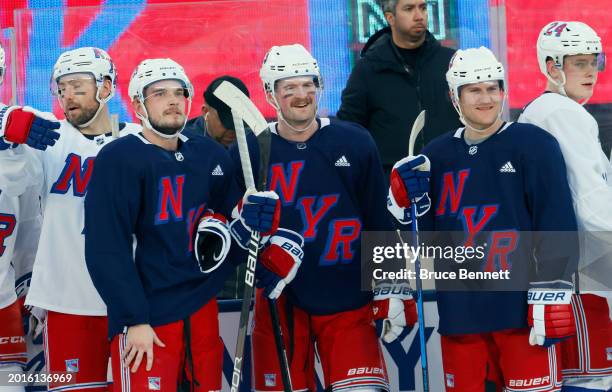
(400, 73)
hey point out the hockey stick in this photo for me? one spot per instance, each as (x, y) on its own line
(115, 125)
(249, 277)
(241, 105)
(416, 129)
(264, 140)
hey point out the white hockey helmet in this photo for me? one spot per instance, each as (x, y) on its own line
(288, 61)
(87, 60)
(2, 64)
(90, 60)
(559, 39)
(150, 71)
(473, 65)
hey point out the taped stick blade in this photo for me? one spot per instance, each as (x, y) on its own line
(418, 125)
(242, 105)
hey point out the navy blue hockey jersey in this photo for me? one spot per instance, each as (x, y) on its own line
(331, 189)
(510, 184)
(141, 191)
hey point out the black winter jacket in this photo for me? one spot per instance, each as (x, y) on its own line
(385, 95)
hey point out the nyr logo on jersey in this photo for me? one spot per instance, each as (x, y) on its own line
(170, 199)
(72, 365)
(7, 226)
(170, 206)
(475, 219)
(342, 234)
(75, 173)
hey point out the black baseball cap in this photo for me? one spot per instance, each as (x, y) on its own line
(225, 113)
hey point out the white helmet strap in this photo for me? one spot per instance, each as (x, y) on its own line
(101, 103)
(561, 85)
(467, 123)
(147, 123)
(279, 112)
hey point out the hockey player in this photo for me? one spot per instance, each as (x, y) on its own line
(571, 72)
(162, 188)
(20, 221)
(320, 171)
(502, 180)
(75, 327)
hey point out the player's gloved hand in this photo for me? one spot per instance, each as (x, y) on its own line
(240, 232)
(279, 262)
(212, 242)
(36, 321)
(394, 310)
(260, 211)
(550, 313)
(409, 183)
(21, 126)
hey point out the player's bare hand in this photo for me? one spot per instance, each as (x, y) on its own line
(140, 340)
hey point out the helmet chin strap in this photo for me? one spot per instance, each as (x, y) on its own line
(561, 86)
(282, 118)
(101, 103)
(148, 124)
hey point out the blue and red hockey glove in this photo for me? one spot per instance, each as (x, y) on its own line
(260, 211)
(409, 183)
(212, 242)
(550, 317)
(394, 310)
(279, 262)
(24, 127)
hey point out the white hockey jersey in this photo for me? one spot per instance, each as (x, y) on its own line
(60, 280)
(589, 174)
(20, 223)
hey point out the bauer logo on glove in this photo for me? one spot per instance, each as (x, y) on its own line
(394, 310)
(550, 317)
(279, 262)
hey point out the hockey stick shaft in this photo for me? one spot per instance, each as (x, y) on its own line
(264, 142)
(249, 277)
(280, 345)
(420, 308)
(115, 125)
(417, 126)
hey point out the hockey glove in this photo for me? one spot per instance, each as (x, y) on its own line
(212, 242)
(35, 323)
(409, 183)
(260, 211)
(279, 262)
(241, 233)
(394, 310)
(550, 314)
(22, 126)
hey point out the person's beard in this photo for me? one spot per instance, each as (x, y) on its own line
(166, 129)
(85, 116)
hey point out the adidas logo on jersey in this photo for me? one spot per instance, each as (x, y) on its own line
(507, 168)
(342, 161)
(217, 171)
